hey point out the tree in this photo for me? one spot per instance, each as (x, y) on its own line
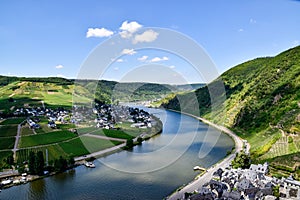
(40, 163)
(10, 160)
(64, 163)
(36, 163)
(241, 160)
(71, 161)
(129, 143)
(11, 100)
(60, 164)
(290, 139)
(139, 140)
(31, 162)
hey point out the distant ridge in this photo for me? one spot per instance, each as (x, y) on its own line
(56, 91)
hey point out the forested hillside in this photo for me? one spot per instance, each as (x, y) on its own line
(262, 105)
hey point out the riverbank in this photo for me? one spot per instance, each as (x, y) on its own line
(112, 171)
(200, 181)
(15, 178)
(19, 179)
(155, 130)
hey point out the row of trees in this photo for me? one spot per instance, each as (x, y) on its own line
(62, 164)
(36, 163)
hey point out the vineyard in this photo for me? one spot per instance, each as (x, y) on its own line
(54, 151)
(284, 146)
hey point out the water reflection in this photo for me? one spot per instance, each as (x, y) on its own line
(38, 188)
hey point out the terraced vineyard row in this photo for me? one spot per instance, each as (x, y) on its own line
(283, 147)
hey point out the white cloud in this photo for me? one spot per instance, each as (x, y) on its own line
(59, 66)
(128, 51)
(130, 27)
(147, 36)
(172, 67)
(241, 30)
(98, 32)
(252, 21)
(127, 29)
(125, 34)
(143, 58)
(158, 59)
(116, 68)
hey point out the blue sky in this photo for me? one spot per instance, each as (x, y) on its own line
(49, 38)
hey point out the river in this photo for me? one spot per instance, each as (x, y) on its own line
(152, 170)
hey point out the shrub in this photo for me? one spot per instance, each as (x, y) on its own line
(290, 139)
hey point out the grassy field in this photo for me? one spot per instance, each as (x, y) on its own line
(13, 121)
(85, 130)
(65, 126)
(126, 126)
(8, 130)
(93, 144)
(44, 129)
(7, 143)
(47, 138)
(115, 134)
(25, 130)
(74, 147)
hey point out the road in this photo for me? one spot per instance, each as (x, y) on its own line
(8, 173)
(196, 184)
(101, 153)
(17, 140)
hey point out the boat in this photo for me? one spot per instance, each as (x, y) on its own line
(6, 182)
(199, 168)
(90, 164)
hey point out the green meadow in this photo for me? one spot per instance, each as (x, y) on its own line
(7, 142)
(44, 139)
(8, 130)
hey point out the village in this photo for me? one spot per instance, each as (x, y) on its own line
(102, 116)
(249, 184)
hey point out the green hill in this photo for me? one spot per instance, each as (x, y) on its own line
(57, 92)
(262, 105)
